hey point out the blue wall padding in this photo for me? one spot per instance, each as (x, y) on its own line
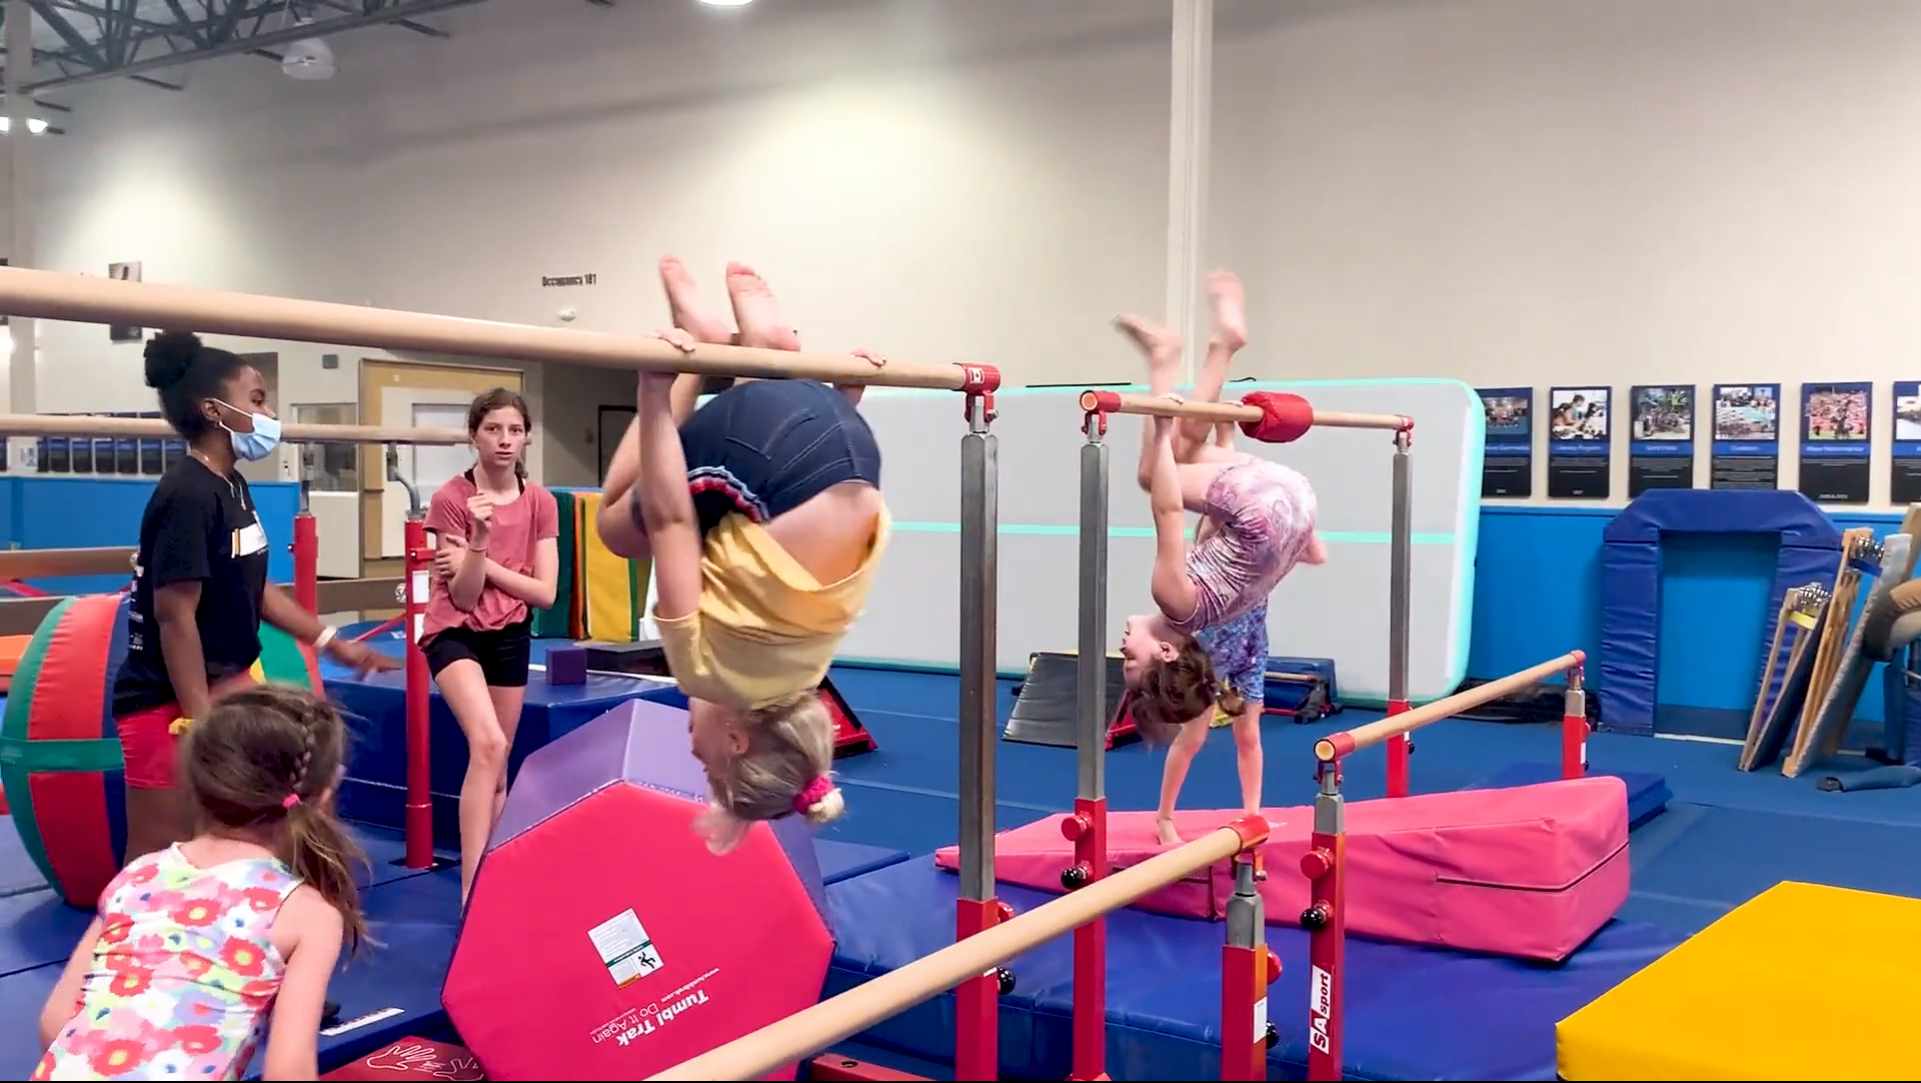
(1537, 587)
(1714, 588)
(1810, 546)
(1902, 736)
(76, 513)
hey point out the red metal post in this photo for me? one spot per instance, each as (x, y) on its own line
(1326, 918)
(1087, 829)
(1574, 727)
(420, 808)
(1397, 754)
(977, 1000)
(1247, 969)
(306, 562)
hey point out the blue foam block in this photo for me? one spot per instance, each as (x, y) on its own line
(1413, 1012)
(1648, 793)
(37, 928)
(846, 860)
(18, 873)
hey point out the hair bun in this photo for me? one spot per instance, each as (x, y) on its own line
(169, 355)
(827, 808)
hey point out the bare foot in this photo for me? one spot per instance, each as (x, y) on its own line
(1228, 303)
(683, 304)
(1161, 345)
(1164, 829)
(756, 311)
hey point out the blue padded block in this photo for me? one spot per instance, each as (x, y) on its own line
(1413, 1012)
(375, 788)
(1798, 520)
(18, 873)
(1648, 793)
(37, 928)
(415, 919)
(846, 860)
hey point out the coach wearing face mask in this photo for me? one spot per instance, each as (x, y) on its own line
(200, 585)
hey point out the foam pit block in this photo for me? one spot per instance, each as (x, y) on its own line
(1529, 871)
(567, 665)
(603, 940)
(1726, 1004)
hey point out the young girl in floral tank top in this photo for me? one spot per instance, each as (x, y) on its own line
(206, 949)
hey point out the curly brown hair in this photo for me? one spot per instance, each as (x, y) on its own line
(1174, 693)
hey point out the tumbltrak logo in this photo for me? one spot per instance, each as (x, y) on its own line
(636, 1023)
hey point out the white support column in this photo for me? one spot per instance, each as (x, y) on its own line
(1192, 109)
(22, 368)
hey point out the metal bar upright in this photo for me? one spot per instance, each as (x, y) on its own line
(1401, 551)
(977, 1038)
(1247, 969)
(1087, 827)
(1325, 918)
(1574, 726)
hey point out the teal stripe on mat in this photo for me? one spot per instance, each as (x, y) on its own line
(1062, 530)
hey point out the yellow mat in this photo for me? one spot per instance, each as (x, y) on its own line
(1796, 983)
(613, 588)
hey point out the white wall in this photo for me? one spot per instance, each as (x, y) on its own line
(943, 182)
(1525, 193)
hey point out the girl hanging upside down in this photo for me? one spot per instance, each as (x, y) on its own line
(763, 516)
(1208, 640)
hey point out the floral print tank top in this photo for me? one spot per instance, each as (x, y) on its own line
(183, 975)
(1264, 513)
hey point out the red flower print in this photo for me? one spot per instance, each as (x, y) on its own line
(243, 958)
(194, 913)
(114, 928)
(131, 982)
(118, 961)
(143, 874)
(195, 964)
(261, 900)
(197, 1040)
(44, 1070)
(116, 1057)
(259, 994)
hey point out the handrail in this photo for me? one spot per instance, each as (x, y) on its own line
(1334, 746)
(1123, 402)
(57, 295)
(293, 432)
(804, 1033)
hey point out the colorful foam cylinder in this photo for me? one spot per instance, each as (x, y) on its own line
(558, 620)
(1531, 871)
(1796, 983)
(603, 940)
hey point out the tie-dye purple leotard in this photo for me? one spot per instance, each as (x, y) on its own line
(1264, 514)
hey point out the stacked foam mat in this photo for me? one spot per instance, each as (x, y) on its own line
(600, 595)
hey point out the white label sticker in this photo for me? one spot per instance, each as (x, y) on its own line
(624, 947)
(1260, 1019)
(1320, 1005)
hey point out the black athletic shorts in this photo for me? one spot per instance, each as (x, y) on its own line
(502, 653)
(765, 447)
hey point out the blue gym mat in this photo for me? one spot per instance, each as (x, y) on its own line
(415, 919)
(18, 873)
(1648, 794)
(846, 860)
(1413, 1012)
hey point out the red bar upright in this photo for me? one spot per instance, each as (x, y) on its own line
(1397, 753)
(420, 808)
(977, 1000)
(1087, 828)
(306, 562)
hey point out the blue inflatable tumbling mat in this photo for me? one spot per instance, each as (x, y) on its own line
(1413, 1012)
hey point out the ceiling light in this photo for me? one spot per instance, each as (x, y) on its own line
(727, 3)
(35, 125)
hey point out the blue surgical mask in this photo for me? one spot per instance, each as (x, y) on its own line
(258, 444)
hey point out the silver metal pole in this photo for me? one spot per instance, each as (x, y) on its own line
(23, 375)
(979, 576)
(1401, 575)
(1091, 693)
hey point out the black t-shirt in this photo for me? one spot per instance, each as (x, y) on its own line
(201, 526)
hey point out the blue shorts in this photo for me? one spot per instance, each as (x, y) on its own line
(764, 447)
(1238, 650)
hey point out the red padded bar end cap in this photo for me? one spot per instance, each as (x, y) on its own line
(1252, 829)
(1580, 657)
(1105, 402)
(980, 379)
(1284, 417)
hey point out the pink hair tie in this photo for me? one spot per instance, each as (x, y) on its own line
(815, 792)
(290, 801)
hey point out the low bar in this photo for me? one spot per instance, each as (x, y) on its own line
(1123, 402)
(95, 425)
(1329, 749)
(801, 1035)
(56, 295)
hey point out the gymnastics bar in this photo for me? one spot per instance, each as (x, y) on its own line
(293, 433)
(800, 1035)
(22, 616)
(1324, 863)
(42, 563)
(57, 295)
(1122, 402)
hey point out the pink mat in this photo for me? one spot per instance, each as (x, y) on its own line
(1529, 871)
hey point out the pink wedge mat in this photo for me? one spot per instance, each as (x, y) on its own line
(1529, 871)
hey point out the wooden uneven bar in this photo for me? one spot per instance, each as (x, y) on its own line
(55, 295)
(1342, 744)
(37, 563)
(22, 616)
(812, 1030)
(344, 595)
(293, 433)
(1158, 406)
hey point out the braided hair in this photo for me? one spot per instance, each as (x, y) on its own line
(268, 757)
